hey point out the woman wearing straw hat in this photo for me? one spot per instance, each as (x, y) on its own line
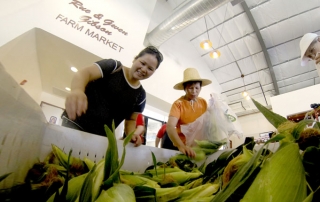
(186, 109)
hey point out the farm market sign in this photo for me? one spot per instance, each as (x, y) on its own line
(100, 28)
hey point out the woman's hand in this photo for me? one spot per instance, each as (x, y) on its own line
(136, 139)
(187, 151)
(76, 104)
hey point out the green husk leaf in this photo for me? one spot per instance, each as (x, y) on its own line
(240, 177)
(62, 196)
(273, 118)
(111, 158)
(85, 192)
(154, 163)
(276, 138)
(145, 194)
(115, 175)
(282, 178)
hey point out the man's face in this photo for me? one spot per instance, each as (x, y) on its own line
(313, 49)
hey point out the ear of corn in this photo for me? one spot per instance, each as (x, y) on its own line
(204, 190)
(198, 199)
(179, 177)
(74, 187)
(117, 193)
(282, 178)
(165, 170)
(235, 164)
(132, 180)
(209, 144)
(168, 194)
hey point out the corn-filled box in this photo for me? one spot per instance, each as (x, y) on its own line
(44, 162)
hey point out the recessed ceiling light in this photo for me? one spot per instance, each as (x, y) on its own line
(68, 89)
(74, 69)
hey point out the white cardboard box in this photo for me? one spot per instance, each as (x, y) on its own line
(26, 137)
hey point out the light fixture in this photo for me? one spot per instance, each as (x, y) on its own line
(206, 44)
(74, 69)
(248, 97)
(68, 89)
(215, 54)
(244, 93)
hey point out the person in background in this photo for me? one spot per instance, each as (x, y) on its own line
(160, 134)
(309, 47)
(186, 109)
(140, 128)
(107, 91)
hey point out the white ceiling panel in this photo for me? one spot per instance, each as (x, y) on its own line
(254, 3)
(265, 77)
(247, 65)
(227, 73)
(268, 87)
(245, 46)
(230, 31)
(290, 69)
(225, 58)
(230, 85)
(284, 52)
(225, 12)
(243, 24)
(259, 61)
(299, 78)
(291, 28)
(275, 11)
(296, 86)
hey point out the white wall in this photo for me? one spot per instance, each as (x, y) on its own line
(254, 124)
(296, 101)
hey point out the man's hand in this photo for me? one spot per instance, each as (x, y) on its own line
(76, 104)
(187, 151)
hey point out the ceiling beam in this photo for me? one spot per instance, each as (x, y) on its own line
(263, 46)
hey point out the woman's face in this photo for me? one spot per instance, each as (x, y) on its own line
(144, 66)
(192, 90)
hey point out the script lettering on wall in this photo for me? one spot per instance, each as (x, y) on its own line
(95, 26)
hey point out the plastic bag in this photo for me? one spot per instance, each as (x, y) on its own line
(195, 130)
(216, 124)
(222, 123)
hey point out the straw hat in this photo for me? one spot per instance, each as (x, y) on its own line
(191, 74)
(305, 42)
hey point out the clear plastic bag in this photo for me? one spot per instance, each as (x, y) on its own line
(216, 124)
(195, 130)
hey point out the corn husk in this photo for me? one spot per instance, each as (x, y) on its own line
(282, 178)
(117, 193)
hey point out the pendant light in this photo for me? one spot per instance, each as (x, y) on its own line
(215, 54)
(206, 44)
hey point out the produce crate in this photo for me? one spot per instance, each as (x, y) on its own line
(26, 137)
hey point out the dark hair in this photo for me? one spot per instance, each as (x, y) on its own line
(191, 82)
(152, 51)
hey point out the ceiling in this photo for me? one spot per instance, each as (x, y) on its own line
(257, 38)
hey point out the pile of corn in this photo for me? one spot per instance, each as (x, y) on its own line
(290, 174)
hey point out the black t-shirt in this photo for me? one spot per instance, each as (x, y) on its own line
(110, 98)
